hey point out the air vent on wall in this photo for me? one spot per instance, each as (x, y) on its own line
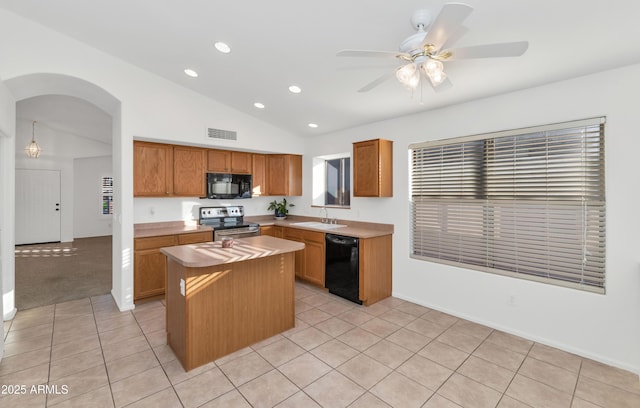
(222, 134)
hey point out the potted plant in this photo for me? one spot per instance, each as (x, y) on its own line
(280, 208)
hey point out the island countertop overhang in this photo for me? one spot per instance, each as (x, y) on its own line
(211, 253)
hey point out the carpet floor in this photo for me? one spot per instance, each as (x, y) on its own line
(58, 272)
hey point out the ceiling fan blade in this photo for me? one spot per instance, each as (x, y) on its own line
(377, 81)
(370, 54)
(447, 23)
(512, 49)
(454, 37)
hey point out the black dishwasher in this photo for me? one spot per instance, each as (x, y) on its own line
(341, 267)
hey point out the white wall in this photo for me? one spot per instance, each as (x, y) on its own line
(186, 209)
(88, 220)
(603, 327)
(7, 203)
(7, 140)
(142, 105)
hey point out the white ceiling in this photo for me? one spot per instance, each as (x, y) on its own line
(282, 42)
(66, 127)
(64, 115)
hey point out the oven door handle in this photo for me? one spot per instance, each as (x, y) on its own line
(236, 233)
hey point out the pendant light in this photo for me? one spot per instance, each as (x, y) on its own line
(32, 149)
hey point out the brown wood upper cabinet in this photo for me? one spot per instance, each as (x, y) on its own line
(259, 175)
(241, 162)
(228, 161)
(162, 170)
(152, 169)
(189, 171)
(218, 161)
(373, 168)
(284, 174)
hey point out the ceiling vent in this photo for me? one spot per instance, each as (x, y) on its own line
(222, 134)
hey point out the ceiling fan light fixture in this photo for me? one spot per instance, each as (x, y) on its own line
(408, 75)
(437, 78)
(432, 67)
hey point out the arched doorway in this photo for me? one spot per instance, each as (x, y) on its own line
(33, 85)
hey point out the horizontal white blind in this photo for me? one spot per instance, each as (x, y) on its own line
(529, 205)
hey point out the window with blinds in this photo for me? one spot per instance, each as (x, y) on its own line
(528, 203)
(106, 190)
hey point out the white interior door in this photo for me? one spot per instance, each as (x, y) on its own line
(37, 206)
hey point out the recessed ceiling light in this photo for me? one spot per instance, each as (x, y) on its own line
(222, 47)
(191, 73)
(259, 105)
(313, 125)
(295, 89)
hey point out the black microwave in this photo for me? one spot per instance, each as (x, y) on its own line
(226, 186)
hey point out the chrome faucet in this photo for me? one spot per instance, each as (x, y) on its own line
(325, 220)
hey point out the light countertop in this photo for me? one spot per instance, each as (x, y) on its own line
(155, 229)
(212, 253)
(357, 229)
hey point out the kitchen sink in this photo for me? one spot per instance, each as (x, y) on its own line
(317, 224)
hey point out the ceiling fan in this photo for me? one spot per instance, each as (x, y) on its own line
(425, 52)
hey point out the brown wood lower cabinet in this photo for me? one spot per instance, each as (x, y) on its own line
(149, 265)
(375, 261)
(309, 262)
(271, 230)
(375, 269)
(219, 309)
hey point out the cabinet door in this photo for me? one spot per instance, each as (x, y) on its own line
(365, 169)
(189, 171)
(284, 174)
(149, 275)
(152, 169)
(277, 176)
(375, 269)
(259, 175)
(271, 230)
(218, 161)
(241, 163)
(295, 234)
(373, 168)
(314, 262)
(149, 265)
(195, 237)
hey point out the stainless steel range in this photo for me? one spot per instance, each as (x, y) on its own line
(227, 222)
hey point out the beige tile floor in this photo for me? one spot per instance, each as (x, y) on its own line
(392, 354)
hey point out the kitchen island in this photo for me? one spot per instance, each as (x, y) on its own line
(220, 300)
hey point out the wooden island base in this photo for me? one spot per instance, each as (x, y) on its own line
(228, 306)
